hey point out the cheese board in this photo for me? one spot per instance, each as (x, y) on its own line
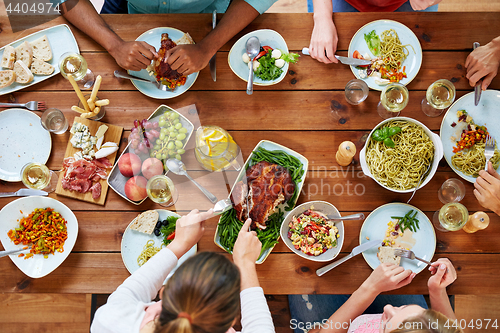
(82, 140)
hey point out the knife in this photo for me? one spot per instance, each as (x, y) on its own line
(24, 192)
(357, 250)
(213, 59)
(345, 60)
(477, 88)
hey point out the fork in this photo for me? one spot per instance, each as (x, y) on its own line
(489, 149)
(6, 253)
(409, 254)
(33, 105)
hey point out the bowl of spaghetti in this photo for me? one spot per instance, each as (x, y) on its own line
(400, 168)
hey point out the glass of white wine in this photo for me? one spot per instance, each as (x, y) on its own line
(74, 64)
(38, 177)
(438, 97)
(451, 217)
(393, 99)
(162, 191)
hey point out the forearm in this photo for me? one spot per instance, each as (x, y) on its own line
(248, 273)
(359, 301)
(495, 44)
(84, 16)
(441, 303)
(322, 10)
(238, 16)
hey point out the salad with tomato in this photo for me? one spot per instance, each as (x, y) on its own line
(268, 64)
(312, 233)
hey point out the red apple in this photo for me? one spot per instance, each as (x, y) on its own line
(130, 165)
(135, 188)
(152, 167)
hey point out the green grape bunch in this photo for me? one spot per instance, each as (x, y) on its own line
(170, 143)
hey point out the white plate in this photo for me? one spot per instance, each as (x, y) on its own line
(268, 145)
(153, 37)
(61, 40)
(266, 37)
(375, 226)
(483, 114)
(133, 243)
(117, 181)
(16, 147)
(37, 266)
(406, 36)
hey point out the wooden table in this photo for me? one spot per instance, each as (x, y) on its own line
(306, 112)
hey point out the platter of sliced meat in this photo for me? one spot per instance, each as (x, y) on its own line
(85, 169)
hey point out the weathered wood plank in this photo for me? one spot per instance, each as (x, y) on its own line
(104, 272)
(480, 310)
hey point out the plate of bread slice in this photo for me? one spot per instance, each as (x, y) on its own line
(34, 58)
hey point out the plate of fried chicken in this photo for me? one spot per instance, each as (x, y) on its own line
(163, 39)
(265, 190)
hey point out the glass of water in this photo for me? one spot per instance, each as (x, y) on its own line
(53, 120)
(356, 91)
(452, 190)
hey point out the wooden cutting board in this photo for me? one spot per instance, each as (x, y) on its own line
(113, 134)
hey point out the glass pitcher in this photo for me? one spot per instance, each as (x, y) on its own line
(215, 149)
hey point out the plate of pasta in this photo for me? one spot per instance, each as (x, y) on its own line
(138, 247)
(463, 130)
(398, 166)
(394, 49)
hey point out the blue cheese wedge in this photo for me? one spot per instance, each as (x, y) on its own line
(84, 140)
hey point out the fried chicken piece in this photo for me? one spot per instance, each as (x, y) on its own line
(162, 68)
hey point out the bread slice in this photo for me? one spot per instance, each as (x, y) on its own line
(23, 73)
(386, 255)
(40, 67)
(41, 49)
(186, 39)
(9, 57)
(24, 52)
(145, 222)
(7, 78)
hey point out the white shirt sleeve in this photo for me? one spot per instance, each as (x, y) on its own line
(255, 314)
(125, 307)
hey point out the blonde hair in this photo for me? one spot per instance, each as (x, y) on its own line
(205, 290)
(429, 321)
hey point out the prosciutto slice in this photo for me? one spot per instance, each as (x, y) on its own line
(84, 176)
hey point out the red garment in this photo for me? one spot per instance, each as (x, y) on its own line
(376, 5)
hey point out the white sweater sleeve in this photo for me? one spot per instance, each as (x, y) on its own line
(255, 314)
(124, 309)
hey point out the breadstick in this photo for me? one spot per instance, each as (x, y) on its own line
(87, 115)
(78, 92)
(91, 104)
(96, 110)
(102, 102)
(97, 85)
(77, 109)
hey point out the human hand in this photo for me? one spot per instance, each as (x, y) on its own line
(483, 63)
(388, 277)
(443, 274)
(324, 40)
(487, 189)
(247, 247)
(188, 231)
(133, 55)
(188, 59)
(423, 4)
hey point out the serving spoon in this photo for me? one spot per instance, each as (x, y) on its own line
(357, 216)
(253, 48)
(179, 168)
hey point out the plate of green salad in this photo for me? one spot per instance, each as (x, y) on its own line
(270, 65)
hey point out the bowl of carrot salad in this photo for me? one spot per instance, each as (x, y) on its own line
(46, 228)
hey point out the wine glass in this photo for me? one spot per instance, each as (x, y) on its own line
(393, 99)
(451, 217)
(74, 64)
(38, 177)
(162, 191)
(438, 97)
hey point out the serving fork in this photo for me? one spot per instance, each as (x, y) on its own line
(6, 253)
(489, 149)
(33, 105)
(409, 254)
